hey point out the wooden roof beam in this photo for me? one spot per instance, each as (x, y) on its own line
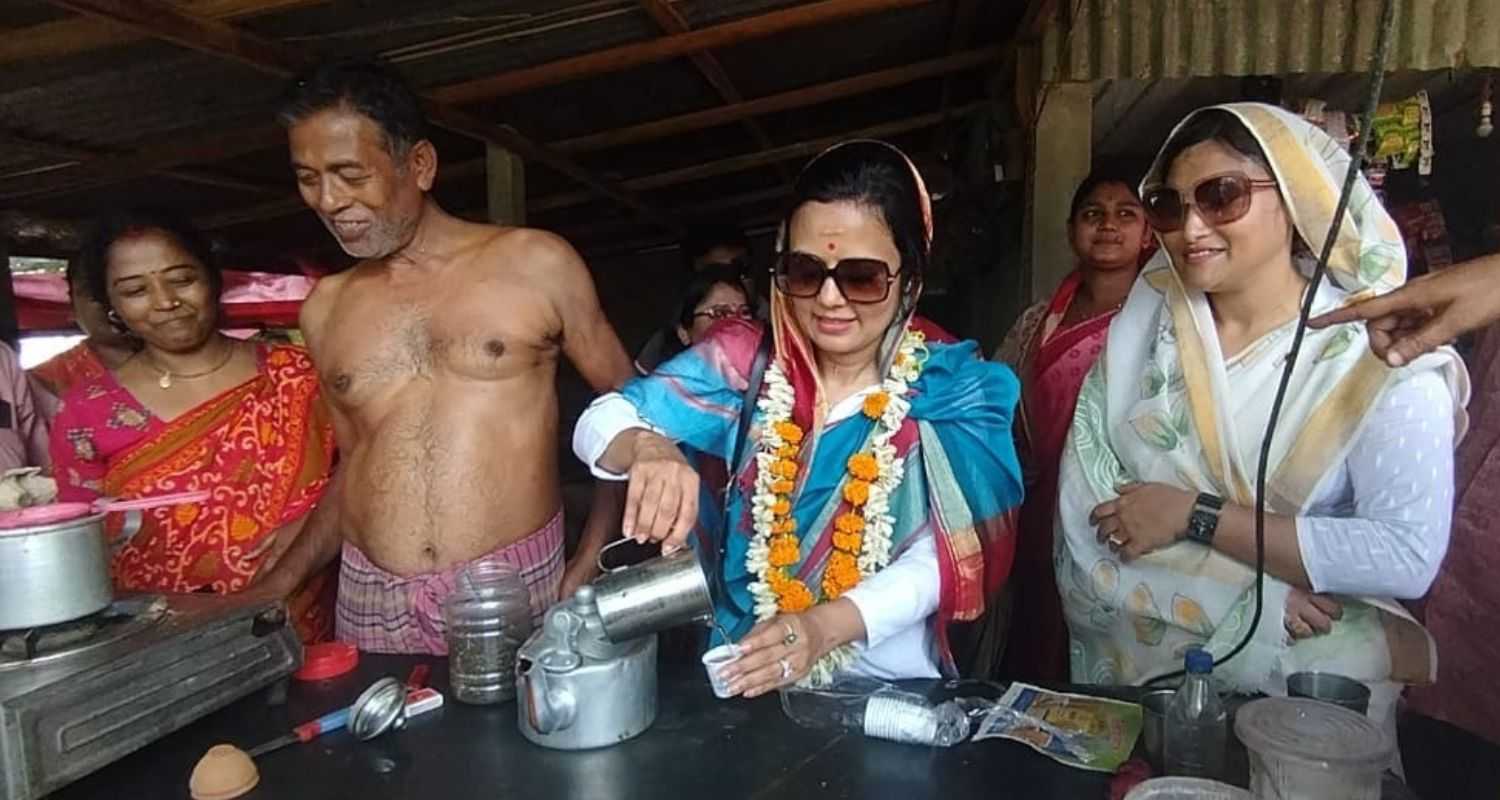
(798, 98)
(242, 139)
(725, 166)
(204, 147)
(705, 210)
(638, 54)
(66, 37)
(785, 101)
(163, 20)
(672, 21)
(76, 153)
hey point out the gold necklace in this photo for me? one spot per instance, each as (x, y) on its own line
(165, 381)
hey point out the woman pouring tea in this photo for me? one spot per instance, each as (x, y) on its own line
(868, 506)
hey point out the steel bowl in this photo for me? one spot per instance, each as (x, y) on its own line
(53, 573)
(1330, 688)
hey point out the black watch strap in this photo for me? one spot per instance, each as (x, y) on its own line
(1204, 521)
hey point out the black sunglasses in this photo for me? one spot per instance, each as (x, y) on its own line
(859, 280)
(1220, 200)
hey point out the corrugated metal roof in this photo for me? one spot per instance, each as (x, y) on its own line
(144, 93)
(1151, 39)
(165, 90)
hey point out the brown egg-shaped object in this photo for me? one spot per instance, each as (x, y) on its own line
(224, 772)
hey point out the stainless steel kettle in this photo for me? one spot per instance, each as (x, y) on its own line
(587, 678)
(578, 690)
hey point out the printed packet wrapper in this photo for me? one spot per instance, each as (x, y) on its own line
(1093, 733)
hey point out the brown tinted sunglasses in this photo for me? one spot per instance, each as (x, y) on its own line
(860, 280)
(1220, 200)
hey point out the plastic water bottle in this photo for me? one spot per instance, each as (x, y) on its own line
(878, 711)
(1197, 726)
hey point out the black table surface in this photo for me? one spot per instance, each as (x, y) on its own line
(699, 747)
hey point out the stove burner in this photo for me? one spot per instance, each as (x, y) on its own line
(121, 619)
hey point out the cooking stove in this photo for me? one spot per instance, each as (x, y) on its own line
(77, 696)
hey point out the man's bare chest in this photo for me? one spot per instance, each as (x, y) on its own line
(375, 346)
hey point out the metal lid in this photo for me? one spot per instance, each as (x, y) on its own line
(380, 708)
(1311, 732)
(46, 519)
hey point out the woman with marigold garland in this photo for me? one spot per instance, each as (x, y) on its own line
(870, 506)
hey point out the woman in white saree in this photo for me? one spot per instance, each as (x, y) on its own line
(1156, 541)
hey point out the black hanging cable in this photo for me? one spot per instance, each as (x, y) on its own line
(1356, 162)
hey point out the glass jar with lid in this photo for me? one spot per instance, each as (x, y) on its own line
(488, 617)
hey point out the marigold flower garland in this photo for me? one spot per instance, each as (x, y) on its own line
(862, 535)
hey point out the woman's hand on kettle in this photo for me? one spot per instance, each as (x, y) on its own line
(661, 504)
(782, 650)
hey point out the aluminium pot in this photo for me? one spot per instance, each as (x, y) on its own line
(53, 573)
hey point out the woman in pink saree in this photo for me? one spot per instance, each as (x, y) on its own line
(1051, 347)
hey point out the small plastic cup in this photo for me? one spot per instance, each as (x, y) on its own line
(714, 661)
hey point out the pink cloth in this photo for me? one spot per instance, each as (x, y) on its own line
(239, 287)
(384, 613)
(1462, 611)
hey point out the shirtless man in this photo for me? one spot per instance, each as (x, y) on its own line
(438, 356)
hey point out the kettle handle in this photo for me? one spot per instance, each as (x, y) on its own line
(599, 559)
(548, 710)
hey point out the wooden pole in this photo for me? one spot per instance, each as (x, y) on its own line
(1060, 157)
(506, 186)
(10, 327)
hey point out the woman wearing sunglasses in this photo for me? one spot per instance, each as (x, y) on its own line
(868, 506)
(1050, 347)
(1157, 483)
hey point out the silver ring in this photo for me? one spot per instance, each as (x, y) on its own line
(1116, 541)
(791, 636)
(786, 668)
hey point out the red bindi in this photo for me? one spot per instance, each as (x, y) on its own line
(832, 247)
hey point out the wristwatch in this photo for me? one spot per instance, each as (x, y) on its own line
(1204, 520)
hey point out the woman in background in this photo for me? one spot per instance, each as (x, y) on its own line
(192, 410)
(1051, 347)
